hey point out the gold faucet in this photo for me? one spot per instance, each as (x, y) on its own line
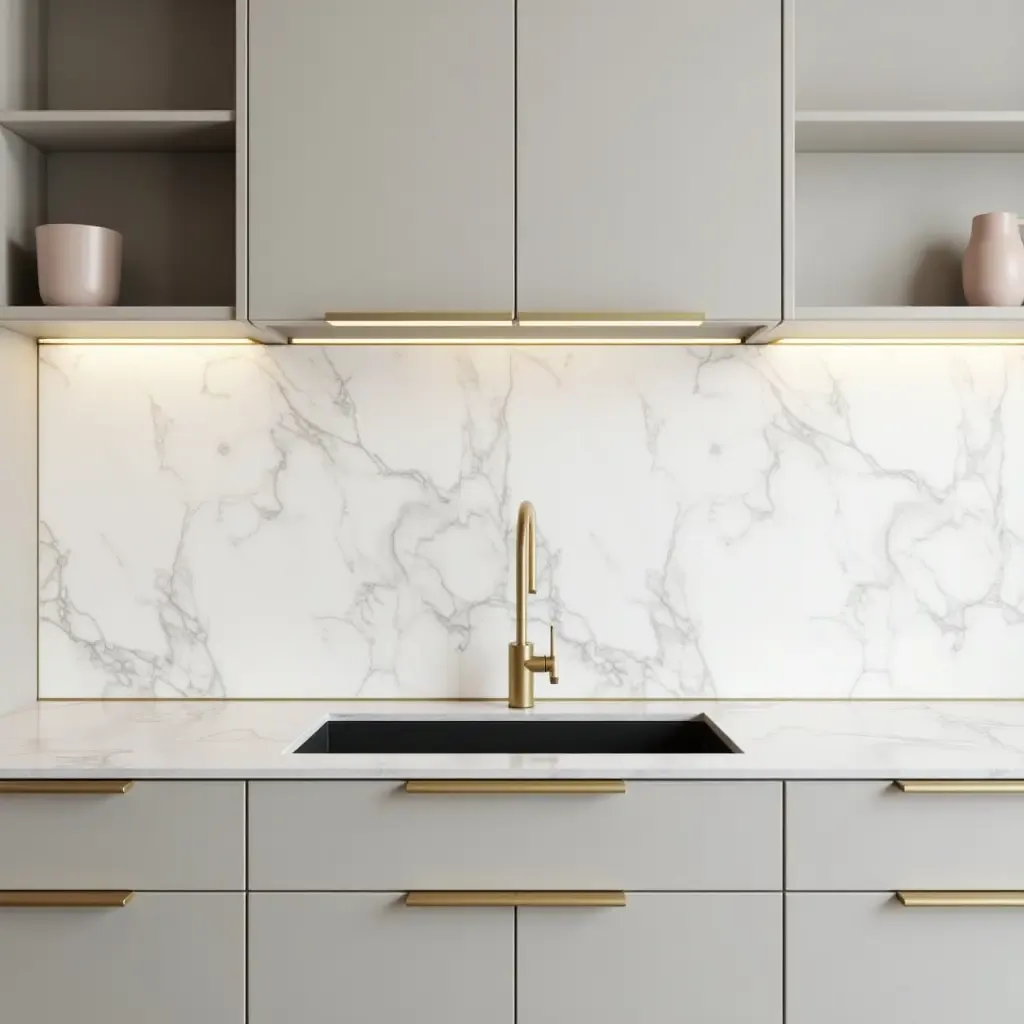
(521, 662)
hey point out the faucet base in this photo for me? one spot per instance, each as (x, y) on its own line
(520, 678)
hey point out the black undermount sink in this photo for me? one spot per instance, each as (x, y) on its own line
(698, 735)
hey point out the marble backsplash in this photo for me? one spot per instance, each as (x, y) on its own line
(337, 522)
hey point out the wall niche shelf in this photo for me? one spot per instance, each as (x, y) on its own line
(123, 130)
(909, 131)
(900, 323)
(123, 113)
(895, 142)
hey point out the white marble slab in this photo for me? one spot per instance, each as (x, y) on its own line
(253, 739)
(332, 522)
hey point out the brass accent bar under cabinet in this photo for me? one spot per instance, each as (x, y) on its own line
(609, 319)
(509, 898)
(421, 319)
(66, 899)
(924, 898)
(960, 785)
(539, 787)
(67, 787)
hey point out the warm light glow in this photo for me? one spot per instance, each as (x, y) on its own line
(147, 341)
(519, 340)
(861, 342)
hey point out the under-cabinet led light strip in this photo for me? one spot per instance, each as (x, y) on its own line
(147, 341)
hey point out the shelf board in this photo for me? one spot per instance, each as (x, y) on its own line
(123, 130)
(896, 323)
(127, 322)
(910, 131)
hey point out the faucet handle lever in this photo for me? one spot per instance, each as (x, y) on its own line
(552, 660)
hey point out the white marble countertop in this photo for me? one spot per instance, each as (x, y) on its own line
(253, 739)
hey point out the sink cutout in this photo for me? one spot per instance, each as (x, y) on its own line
(697, 735)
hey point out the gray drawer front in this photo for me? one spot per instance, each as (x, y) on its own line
(872, 836)
(158, 835)
(165, 958)
(855, 958)
(374, 835)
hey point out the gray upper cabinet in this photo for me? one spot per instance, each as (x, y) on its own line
(650, 157)
(381, 156)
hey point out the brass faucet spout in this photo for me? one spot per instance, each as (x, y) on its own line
(526, 565)
(521, 662)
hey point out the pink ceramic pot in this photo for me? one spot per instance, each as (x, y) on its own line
(993, 266)
(79, 264)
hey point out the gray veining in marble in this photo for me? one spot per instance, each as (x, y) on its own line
(336, 522)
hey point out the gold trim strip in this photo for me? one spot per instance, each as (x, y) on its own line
(420, 318)
(960, 785)
(539, 700)
(65, 898)
(610, 319)
(525, 898)
(538, 787)
(924, 898)
(68, 787)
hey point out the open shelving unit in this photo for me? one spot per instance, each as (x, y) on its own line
(123, 113)
(906, 120)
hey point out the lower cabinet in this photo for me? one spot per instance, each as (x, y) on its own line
(325, 957)
(661, 959)
(164, 958)
(864, 958)
(321, 958)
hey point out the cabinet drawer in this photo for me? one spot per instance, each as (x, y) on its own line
(872, 835)
(164, 958)
(856, 957)
(157, 835)
(661, 959)
(375, 835)
(365, 958)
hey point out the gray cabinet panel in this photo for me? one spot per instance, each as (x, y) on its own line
(650, 156)
(381, 156)
(661, 959)
(374, 835)
(321, 958)
(862, 958)
(165, 958)
(158, 835)
(869, 835)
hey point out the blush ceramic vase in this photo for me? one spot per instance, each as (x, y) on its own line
(78, 264)
(993, 268)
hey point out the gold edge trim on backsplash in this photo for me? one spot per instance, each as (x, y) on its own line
(540, 700)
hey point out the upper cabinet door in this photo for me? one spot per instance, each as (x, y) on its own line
(381, 156)
(650, 157)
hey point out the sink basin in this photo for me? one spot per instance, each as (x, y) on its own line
(698, 735)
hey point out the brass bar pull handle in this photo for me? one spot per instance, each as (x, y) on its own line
(960, 785)
(61, 899)
(517, 898)
(67, 787)
(610, 319)
(923, 898)
(421, 318)
(539, 787)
